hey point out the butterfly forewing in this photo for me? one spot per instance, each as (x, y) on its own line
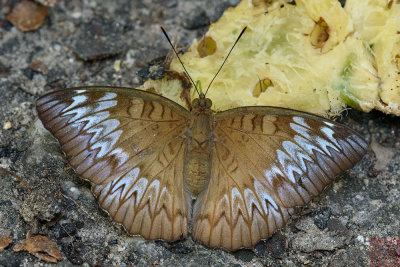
(266, 161)
(130, 145)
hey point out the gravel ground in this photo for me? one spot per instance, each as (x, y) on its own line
(46, 197)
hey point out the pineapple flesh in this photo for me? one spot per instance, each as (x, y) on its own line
(377, 23)
(305, 56)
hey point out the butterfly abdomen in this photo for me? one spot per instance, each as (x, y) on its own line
(197, 157)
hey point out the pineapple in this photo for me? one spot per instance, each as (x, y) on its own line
(305, 56)
(377, 23)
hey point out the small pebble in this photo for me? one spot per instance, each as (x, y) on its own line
(113, 242)
(359, 197)
(7, 125)
(70, 190)
(117, 65)
(360, 238)
(75, 193)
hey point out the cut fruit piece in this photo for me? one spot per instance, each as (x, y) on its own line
(275, 46)
(377, 23)
(307, 56)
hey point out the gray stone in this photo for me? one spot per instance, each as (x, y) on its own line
(312, 238)
(98, 39)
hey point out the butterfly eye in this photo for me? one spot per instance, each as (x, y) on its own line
(195, 103)
(208, 103)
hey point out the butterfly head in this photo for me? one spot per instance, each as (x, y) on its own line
(202, 102)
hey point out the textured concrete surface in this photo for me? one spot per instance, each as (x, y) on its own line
(49, 199)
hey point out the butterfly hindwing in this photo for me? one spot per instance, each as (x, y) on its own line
(130, 145)
(234, 211)
(265, 162)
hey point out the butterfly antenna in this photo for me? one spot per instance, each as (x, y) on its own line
(223, 63)
(176, 53)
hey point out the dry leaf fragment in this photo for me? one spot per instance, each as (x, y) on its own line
(383, 155)
(41, 247)
(38, 66)
(5, 241)
(27, 16)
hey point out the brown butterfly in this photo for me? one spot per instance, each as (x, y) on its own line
(147, 158)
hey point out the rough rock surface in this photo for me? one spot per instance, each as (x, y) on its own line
(45, 196)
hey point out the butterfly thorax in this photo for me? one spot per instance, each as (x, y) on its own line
(198, 152)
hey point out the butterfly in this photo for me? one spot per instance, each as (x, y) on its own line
(229, 178)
